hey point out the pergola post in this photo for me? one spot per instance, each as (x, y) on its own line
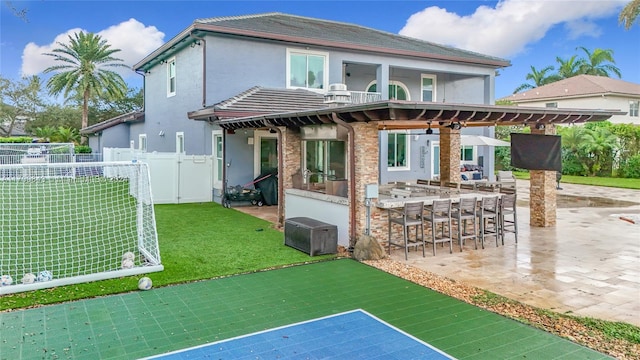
(291, 152)
(542, 188)
(366, 158)
(449, 154)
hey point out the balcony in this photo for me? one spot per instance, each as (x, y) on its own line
(363, 97)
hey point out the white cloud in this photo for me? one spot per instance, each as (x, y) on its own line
(134, 39)
(506, 29)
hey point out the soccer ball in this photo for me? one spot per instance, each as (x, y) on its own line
(28, 278)
(128, 256)
(44, 275)
(145, 283)
(127, 264)
(6, 280)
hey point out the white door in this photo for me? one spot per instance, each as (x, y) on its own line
(218, 159)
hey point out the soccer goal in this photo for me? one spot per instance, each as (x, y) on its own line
(96, 222)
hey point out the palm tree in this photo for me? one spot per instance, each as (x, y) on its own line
(539, 78)
(629, 14)
(67, 135)
(45, 134)
(570, 67)
(83, 62)
(599, 143)
(596, 63)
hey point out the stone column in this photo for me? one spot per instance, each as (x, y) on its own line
(542, 190)
(291, 153)
(449, 155)
(367, 160)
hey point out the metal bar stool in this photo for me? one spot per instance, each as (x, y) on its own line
(411, 215)
(439, 213)
(508, 209)
(488, 219)
(463, 212)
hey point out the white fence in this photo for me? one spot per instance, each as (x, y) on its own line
(175, 178)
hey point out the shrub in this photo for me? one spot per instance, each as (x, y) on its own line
(82, 149)
(630, 168)
(14, 140)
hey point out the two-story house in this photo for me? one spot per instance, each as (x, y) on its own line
(586, 92)
(332, 106)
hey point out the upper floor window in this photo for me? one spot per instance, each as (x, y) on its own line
(397, 90)
(634, 107)
(171, 77)
(398, 150)
(307, 69)
(428, 87)
(551, 105)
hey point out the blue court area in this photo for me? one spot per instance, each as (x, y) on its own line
(353, 334)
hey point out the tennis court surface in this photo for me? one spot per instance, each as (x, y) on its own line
(163, 320)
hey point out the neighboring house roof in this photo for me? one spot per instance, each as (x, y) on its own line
(260, 100)
(17, 130)
(310, 31)
(134, 116)
(578, 86)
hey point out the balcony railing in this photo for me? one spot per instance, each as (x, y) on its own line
(363, 97)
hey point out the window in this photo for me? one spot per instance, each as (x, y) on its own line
(142, 142)
(398, 150)
(171, 77)
(218, 162)
(435, 159)
(551, 105)
(180, 142)
(397, 90)
(466, 153)
(325, 159)
(634, 107)
(307, 69)
(428, 88)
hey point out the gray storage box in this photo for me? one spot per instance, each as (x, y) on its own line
(311, 236)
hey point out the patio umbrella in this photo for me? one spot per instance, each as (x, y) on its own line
(478, 140)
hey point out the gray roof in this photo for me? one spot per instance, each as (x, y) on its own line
(260, 100)
(578, 86)
(310, 31)
(19, 129)
(134, 116)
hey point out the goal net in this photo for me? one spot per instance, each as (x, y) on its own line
(68, 223)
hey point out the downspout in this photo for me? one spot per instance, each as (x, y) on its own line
(352, 179)
(280, 168)
(204, 67)
(144, 100)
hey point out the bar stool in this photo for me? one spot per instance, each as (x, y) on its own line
(411, 215)
(488, 218)
(439, 213)
(508, 208)
(463, 212)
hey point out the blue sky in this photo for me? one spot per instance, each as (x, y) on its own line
(526, 32)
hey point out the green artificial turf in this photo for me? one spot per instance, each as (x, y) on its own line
(197, 241)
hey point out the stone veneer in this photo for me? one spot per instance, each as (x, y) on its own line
(367, 166)
(291, 143)
(449, 155)
(542, 198)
